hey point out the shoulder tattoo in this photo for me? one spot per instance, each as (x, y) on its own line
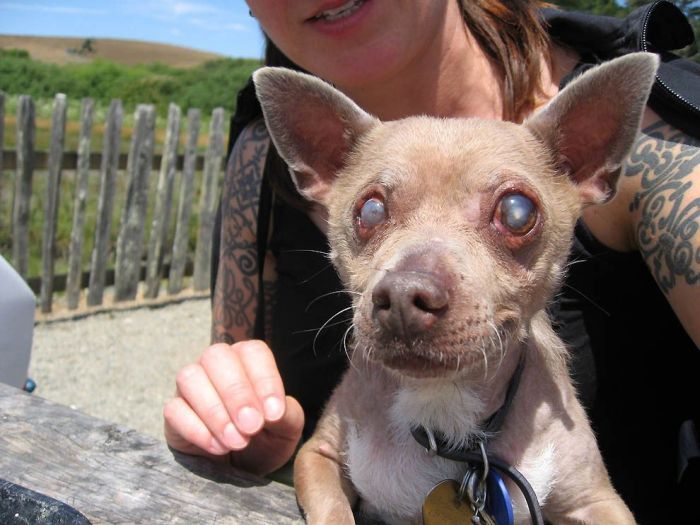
(235, 295)
(667, 160)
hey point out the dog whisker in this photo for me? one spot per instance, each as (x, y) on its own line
(309, 330)
(501, 348)
(326, 324)
(335, 292)
(345, 345)
(368, 352)
(486, 359)
(587, 298)
(345, 339)
(303, 250)
(316, 274)
(572, 262)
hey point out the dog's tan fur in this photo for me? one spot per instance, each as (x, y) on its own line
(441, 180)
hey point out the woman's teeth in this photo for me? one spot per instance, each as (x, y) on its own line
(340, 12)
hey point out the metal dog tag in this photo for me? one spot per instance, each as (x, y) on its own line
(498, 503)
(442, 505)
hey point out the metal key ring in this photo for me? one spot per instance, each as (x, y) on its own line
(485, 459)
(462, 491)
(473, 490)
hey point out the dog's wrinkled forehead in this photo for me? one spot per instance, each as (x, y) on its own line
(444, 148)
(421, 158)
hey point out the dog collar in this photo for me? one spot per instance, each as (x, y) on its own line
(494, 423)
(435, 444)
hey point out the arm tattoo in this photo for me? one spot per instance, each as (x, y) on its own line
(235, 296)
(667, 232)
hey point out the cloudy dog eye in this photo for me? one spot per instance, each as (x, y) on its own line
(372, 213)
(517, 213)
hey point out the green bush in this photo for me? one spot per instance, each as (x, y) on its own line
(16, 53)
(213, 84)
(19, 75)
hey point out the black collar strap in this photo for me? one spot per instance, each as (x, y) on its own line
(438, 445)
(494, 423)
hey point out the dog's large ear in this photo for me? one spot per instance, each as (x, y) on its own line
(592, 124)
(313, 126)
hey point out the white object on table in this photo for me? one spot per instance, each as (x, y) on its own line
(17, 304)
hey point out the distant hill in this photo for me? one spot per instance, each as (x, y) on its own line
(58, 50)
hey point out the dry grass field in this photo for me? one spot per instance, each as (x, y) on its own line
(56, 50)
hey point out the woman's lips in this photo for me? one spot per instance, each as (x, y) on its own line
(338, 17)
(331, 14)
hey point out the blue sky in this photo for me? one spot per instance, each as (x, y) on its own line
(220, 26)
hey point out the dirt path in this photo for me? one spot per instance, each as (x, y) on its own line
(119, 366)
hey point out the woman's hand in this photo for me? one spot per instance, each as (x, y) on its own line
(231, 405)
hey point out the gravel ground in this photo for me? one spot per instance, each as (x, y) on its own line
(119, 366)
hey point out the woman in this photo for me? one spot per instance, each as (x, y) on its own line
(489, 59)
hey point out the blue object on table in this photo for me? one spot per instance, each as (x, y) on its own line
(498, 502)
(29, 385)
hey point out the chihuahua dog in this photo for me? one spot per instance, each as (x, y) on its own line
(452, 235)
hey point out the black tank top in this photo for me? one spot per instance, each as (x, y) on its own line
(310, 312)
(636, 371)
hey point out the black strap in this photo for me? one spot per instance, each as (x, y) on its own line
(263, 230)
(494, 423)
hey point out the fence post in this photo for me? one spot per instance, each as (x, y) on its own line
(207, 203)
(161, 210)
(23, 184)
(184, 210)
(130, 240)
(75, 253)
(105, 202)
(53, 187)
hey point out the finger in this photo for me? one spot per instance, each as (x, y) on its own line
(291, 425)
(227, 373)
(184, 431)
(259, 364)
(275, 446)
(196, 388)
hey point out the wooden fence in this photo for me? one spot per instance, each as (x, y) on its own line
(132, 260)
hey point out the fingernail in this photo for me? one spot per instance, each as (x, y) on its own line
(233, 438)
(217, 448)
(273, 408)
(249, 420)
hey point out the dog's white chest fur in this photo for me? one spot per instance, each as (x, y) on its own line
(393, 474)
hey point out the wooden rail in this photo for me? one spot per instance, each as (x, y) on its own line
(137, 244)
(70, 160)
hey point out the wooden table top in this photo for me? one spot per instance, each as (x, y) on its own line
(112, 474)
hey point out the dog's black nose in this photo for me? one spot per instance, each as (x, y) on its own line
(408, 303)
